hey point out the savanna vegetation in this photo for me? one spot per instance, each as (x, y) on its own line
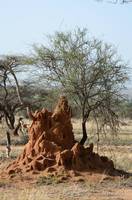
(93, 77)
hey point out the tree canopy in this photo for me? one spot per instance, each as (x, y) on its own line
(87, 69)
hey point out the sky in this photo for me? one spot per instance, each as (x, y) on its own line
(24, 22)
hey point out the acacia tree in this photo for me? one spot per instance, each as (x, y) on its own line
(15, 96)
(88, 70)
(10, 98)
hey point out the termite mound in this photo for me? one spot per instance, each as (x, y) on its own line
(52, 145)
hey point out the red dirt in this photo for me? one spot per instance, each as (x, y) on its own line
(52, 146)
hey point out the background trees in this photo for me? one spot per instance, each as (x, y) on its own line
(89, 71)
(10, 98)
(117, 1)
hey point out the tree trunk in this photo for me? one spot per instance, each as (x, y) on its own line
(10, 121)
(8, 145)
(84, 138)
(85, 115)
(17, 86)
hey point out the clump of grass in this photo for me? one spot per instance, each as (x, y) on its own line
(125, 182)
(21, 140)
(3, 155)
(2, 184)
(123, 163)
(122, 141)
(48, 180)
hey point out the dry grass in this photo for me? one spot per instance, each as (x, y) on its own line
(116, 147)
(106, 188)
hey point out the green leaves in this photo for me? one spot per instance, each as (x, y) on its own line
(87, 69)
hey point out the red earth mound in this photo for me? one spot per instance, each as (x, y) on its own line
(52, 146)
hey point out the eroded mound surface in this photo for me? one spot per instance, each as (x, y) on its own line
(52, 145)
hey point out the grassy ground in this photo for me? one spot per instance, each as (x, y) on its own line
(105, 190)
(96, 187)
(118, 148)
